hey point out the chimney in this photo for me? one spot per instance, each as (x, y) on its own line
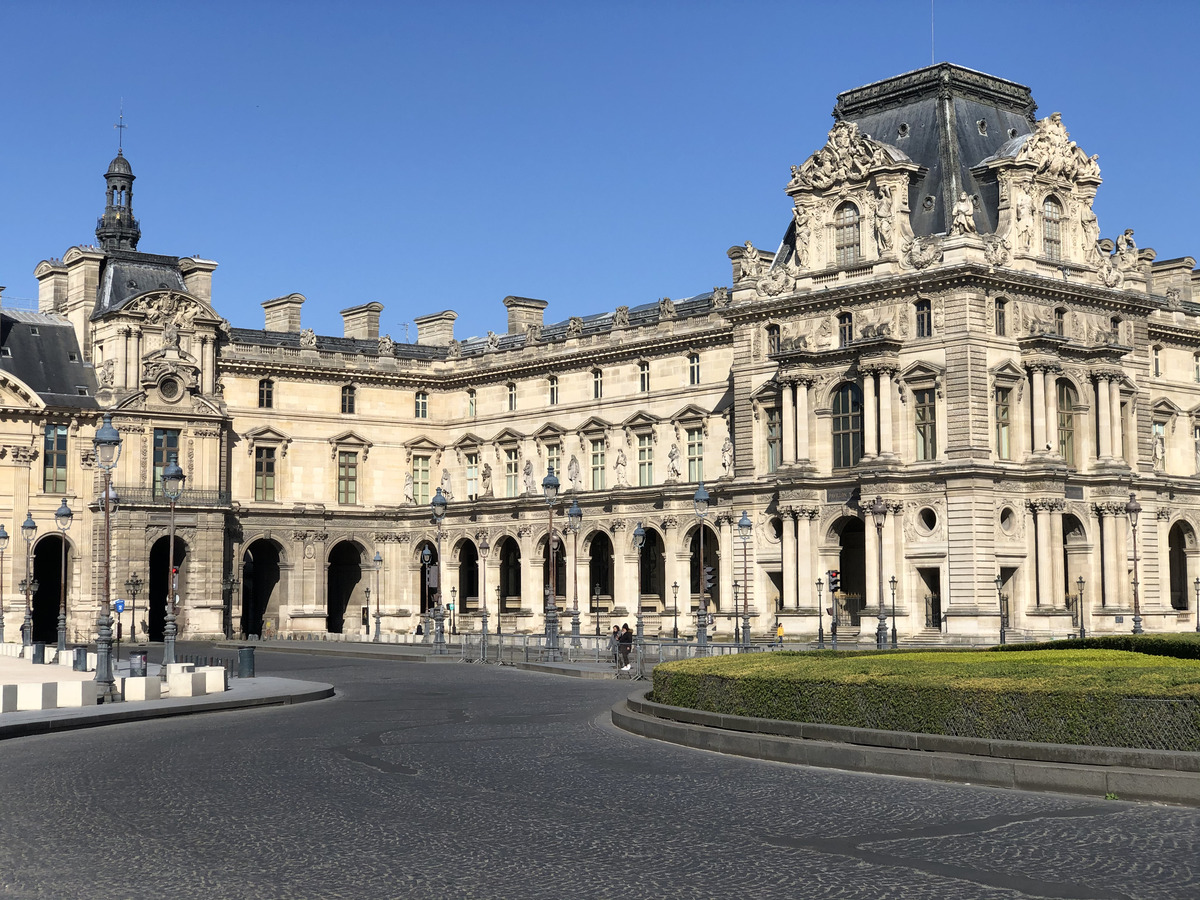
(52, 285)
(283, 313)
(362, 322)
(197, 276)
(524, 311)
(436, 329)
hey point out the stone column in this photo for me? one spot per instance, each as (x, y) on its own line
(790, 596)
(886, 425)
(869, 415)
(1045, 565)
(1059, 589)
(871, 565)
(1051, 392)
(210, 364)
(788, 402)
(802, 451)
(725, 554)
(806, 577)
(624, 570)
(1039, 410)
(1110, 597)
(121, 375)
(1116, 425)
(1103, 417)
(533, 595)
(1124, 558)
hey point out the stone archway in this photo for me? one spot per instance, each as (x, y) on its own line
(509, 553)
(1181, 548)
(47, 574)
(343, 577)
(712, 557)
(260, 580)
(160, 581)
(653, 588)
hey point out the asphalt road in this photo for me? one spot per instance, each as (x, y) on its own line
(454, 781)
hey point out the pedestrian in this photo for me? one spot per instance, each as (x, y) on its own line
(626, 644)
(614, 646)
(779, 634)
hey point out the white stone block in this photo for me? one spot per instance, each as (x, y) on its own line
(93, 661)
(143, 688)
(186, 684)
(180, 668)
(77, 693)
(215, 681)
(8, 698)
(65, 659)
(37, 696)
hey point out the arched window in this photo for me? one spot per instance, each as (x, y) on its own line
(847, 426)
(772, 338)
(924, 311)
(348, 399)
(553, 388)
(1067, 402)
(266, 394)
(846, 237)
(1052, 229)
(845, 329)
(1001, 317)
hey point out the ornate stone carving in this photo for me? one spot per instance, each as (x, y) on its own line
(454, 351)
(308, 339)
(1024, 207)
(727, 458)
(573, 476)
(493, 341)
(619, 469)
(621, 317)
(666, 308)
(1089, 231)
(485, 481)
(922, 252)
(962, 215)
(801, 236)
(104, 375)
(574, 326)
(1127, 251)
(749, 264)
(884, 218)
(846, 156)
(1055, 154)
(408, 488)
(533, 333)
(996, 250)
(774, 283)
(386, 346)
(720, 297)
(673, 472)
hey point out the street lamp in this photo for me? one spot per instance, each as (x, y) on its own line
(574, 524)
(879, 514)
(700, 502)
(892, 582)
(745, 528)
(484, 548)
(820, 616)
(675, 609)
(596, 607)
(1000, 603)
(1082, 610)
(550, 489)
(639, 541)
(62, 518)
(172, 477)
(453, 603)
(378, 563)
(133, 584)
(4, 546)
(229, 585)
(438, 506)
(3, 541)
(1133, 509)
(29, 532)
(107, 443)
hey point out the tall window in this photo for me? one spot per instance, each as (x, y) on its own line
(554, 460)
(166, 442)
(348, 399)
(645, 460)
(512, 473)
(846, 237)
(847, 426)
(552, 385)
(644, 377)
(421, 405)
(924, 319)
(1001, 317)
(54, 460)
(1114, 325)
(1060, 322)
(774, 438)
(695, 454)
(347, 476)
(925, 410)
(845, 329)
(1157, 362)
(264, 473)
(266, 394)
(772, 338)
(1052, 229)
(598, 464)
(472, 475)
(597, 384)
(1003, 422)
(420, 474)
(512, 396)
(471, 407)
(693, 368)
(1066, 422)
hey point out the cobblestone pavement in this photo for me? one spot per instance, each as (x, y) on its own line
(468, 781)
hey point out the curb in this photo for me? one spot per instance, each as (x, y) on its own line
(1163, 785)
(303, 692)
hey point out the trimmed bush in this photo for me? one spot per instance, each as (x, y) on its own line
(1076, 696)
(1179, 646)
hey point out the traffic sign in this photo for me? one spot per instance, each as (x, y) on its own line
(119, 606)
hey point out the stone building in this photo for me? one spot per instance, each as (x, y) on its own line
(942, 326)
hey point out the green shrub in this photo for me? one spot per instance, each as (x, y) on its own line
(1179, 646)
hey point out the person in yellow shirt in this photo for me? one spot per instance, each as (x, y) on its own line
(779, 633)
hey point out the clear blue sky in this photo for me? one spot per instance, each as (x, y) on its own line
(444, 155)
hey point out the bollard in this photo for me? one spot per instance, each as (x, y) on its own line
(137, 664)
(80, 664)
(245, 662)
(39, 652)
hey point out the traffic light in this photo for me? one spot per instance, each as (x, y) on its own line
(835, 580)
(708, 579)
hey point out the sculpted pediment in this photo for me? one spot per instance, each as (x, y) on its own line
(170, 308)
(16, 393)
(349, 439)
(848, 156)
(267, 435)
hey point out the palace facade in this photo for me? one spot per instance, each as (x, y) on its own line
(943, 326)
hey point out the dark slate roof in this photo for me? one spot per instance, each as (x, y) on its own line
(942, 107)
(43, 352)
(261, 338)
(126, 273)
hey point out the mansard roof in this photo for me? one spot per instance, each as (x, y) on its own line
(126, 273)
(42, 351)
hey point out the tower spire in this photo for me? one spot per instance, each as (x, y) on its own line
(117, 229)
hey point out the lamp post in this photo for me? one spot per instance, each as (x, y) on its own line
(378, 564)
(4, 546)
(1133, 509)
(453, 604)
(29, 532)
(675, 609)
(550, 489)
(820, 616)
(133, 584)
(737, 629)
(229, 586)
(892, 582)
(639, 541)
(28, 586)
(62, 518)
(484, 548)
(745, 528)
(1082, 610)
(172, 477)
(574, 524)
(107, 442)
(879, 514)
(596, 607)
(4, 541)
(438, 506)
(1000, 604)
(700, 502)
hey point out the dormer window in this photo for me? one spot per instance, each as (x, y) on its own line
(1052, 213)
(846, 234)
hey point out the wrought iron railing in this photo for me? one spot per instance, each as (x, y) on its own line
(139, 496)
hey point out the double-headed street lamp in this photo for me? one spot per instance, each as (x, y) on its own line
(133, 584)
(1133, 509)
(820, 616)
(550, 489)
(745, 528)
(879, 514)
(892, 582)
(700, 502)
(29, 532)
(172, 477)
(4, 546)
(675, 609)
(453, 604)
(484, 549)
(62, 518)
(574, 524)
(438, 506)
(1082, 610)
(377, 562)
(107, 442)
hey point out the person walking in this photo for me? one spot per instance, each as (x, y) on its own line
(779, 634)
(614, 646)
(626, 643)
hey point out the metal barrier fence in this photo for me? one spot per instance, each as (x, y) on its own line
(504, 649)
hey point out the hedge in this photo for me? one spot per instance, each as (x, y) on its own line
(1179, 646)
(1075, 696)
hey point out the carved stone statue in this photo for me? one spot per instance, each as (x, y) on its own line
(1127, 250)
(531, 486)
(802, 233)
(408, 487)
(666, 308)
(485, 481)
(308, 339)
(446, 485)
(1024, 221)
(104, 375)
(573, 474)
(673, 472)
(1160, 452)
(621, 317)
(727, 457)
(386, 345)
(1090, 230)
(846, 156)
(170, 334)
(533, 333)
(619, 468)
(574, 326)
(720, 297)
(454, 351)
(493, 341)
(962, 215)
(884, 211)
(749, 265)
